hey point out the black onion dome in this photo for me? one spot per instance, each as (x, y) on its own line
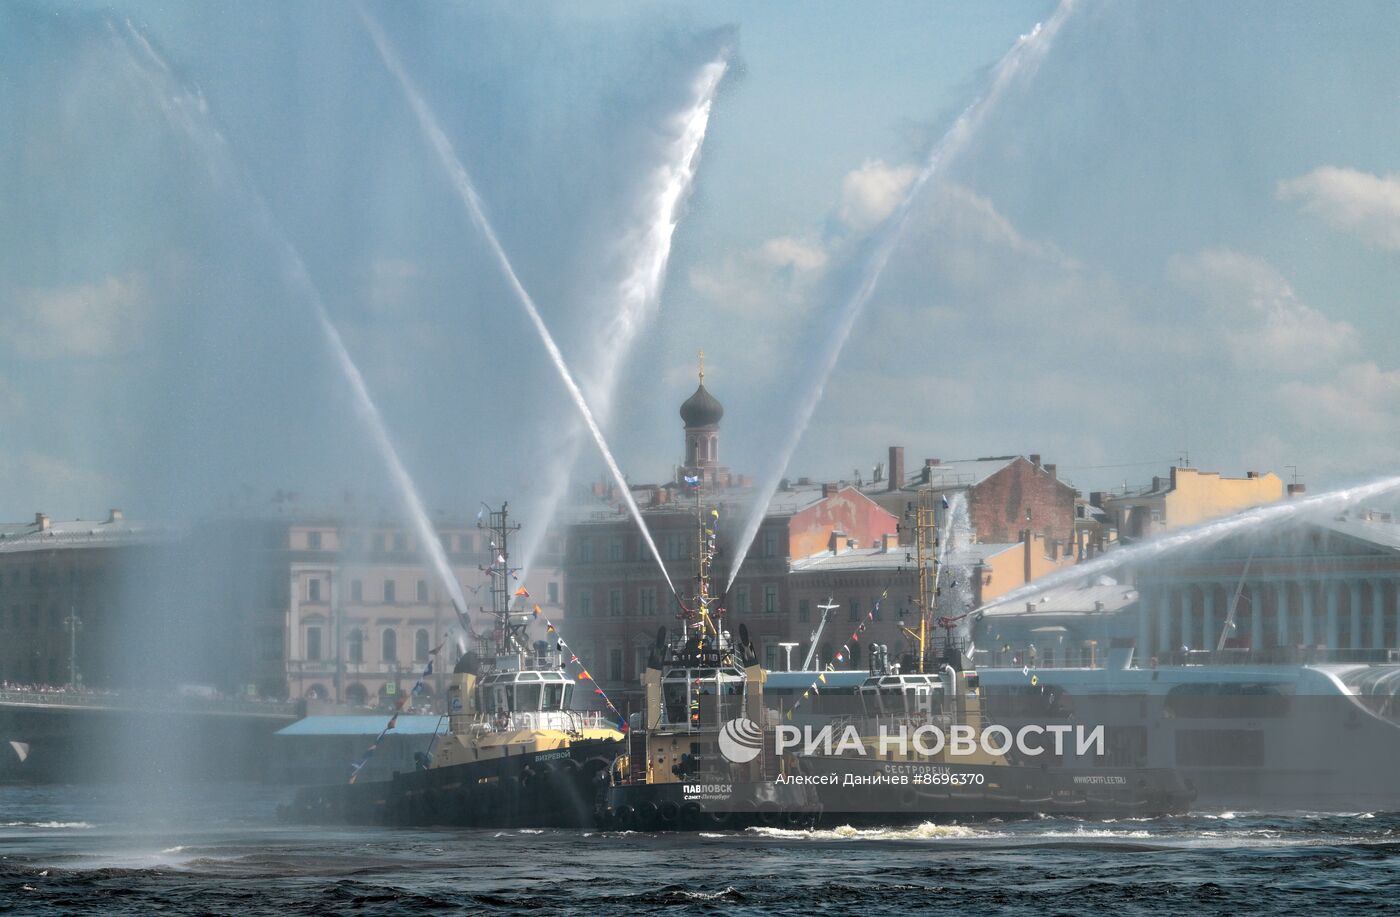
(701, 409)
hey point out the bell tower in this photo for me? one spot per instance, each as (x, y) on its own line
(701, 414)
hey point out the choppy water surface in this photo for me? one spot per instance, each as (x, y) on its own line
(66, 850)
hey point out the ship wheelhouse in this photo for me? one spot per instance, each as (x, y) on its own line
(903, 694)
(700, 695)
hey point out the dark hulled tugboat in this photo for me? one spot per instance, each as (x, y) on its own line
(701, 756)
(514, 753)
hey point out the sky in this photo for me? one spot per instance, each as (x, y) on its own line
(1178, 235)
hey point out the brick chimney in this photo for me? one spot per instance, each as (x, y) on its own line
(1297, 490)
(42, 521)
(1026, 544)
(896, 468)
(1050, 469)
(115, 515)
(828, 490)
(837, 542)
(1035, 459)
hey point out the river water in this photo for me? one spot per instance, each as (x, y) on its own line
(76, 850)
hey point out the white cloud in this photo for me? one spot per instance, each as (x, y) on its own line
(85, 320)
(1363, 204)
(870, 193)
(1260, 317)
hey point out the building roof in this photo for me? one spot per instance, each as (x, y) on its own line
(860, 559)
(1380, 534)
(952, 475)
(730, 501)
(78, 533)
(355, 725)
(1068, 600)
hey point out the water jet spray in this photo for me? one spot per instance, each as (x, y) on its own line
(466, 190)
(1026, 53)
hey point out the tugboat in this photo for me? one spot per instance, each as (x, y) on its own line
(920, 747)
(515, 755)
(701, 756)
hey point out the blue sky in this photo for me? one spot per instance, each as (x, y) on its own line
(1180, 232)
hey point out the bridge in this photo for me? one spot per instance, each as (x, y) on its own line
(61, 735)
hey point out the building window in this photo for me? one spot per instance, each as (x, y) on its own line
(615, 550)
(357, 591)
(355, 542)
(770, 600)
(356, 645)
(379, 542)
(270, 645)
(741, 600)
(875, 613)
(313, 644)
(804, 610)
(446, 539)
(389, 646)
(313, 590)
(855, 656)
(313, 541)
(389, 591)
(585, 603)
(615, 664)
(770, 657)
(400, 542)
(646, 601)
(853, 610)
(615, 603)
(357, 695)
(466, 542)
(552, 592)
(420, 645)
(770, 544)
(422, 590)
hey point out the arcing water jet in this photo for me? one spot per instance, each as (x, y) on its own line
(1207, 533)
(638, 291)
(466, 190)
(189, 112)
(1024, 55)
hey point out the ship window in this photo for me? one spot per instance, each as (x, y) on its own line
(674, 701)
(1220, 747)
(527, 697)
(1229, 700)
(553, 697)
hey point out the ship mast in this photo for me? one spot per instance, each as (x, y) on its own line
(920, 516)
(508, 639)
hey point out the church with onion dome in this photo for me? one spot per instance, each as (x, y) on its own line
(701, 414)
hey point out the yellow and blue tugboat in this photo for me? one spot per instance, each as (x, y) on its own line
(514, 753)
(700, 754)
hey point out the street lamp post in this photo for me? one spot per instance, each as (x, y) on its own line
(73, 624)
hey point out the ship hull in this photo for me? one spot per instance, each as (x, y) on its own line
(547, 789)
(706, 806)
(854, 790)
